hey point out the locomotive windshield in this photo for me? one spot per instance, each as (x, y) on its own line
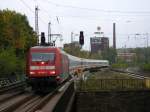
(43, 56)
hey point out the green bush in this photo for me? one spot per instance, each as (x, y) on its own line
(146, 67)
(8, 62)
(119, 65)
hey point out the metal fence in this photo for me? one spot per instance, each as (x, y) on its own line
(113, 84)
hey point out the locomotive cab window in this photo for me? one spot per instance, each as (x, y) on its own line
(43, 56)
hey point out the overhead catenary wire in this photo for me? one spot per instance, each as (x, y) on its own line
(93, 17)
(87, 17)
(47, 13)
(99, 10)
(26, 5)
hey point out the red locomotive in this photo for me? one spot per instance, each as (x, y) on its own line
(46, 65)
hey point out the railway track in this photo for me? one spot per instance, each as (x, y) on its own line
(132, 74)
(14, 102)
(28, 101)
(7, 96)
(20, 85)
(50, 102)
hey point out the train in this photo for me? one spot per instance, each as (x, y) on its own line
(49, 66)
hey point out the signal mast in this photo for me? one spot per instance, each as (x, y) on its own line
(36, 23)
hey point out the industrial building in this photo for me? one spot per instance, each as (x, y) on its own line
(99, 44)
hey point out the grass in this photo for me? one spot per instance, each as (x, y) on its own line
(107, 74)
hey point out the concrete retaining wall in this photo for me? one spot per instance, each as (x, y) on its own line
(127, 101)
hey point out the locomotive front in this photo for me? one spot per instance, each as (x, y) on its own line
(41, 66)
(41, 63)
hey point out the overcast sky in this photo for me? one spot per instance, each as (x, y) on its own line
(131, 17)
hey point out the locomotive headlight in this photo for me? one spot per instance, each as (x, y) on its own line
(52, 72)
(32, 73)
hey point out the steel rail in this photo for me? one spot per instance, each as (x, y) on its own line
(132, 74)
(46, 99)
(12, 104)
(12, 86)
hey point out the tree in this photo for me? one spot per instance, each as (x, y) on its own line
(15, 31)
(109, 54)
(16, 37)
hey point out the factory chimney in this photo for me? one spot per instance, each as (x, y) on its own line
(114, 35)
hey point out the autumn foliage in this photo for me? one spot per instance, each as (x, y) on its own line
(16, 37)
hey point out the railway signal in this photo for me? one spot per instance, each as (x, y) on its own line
(42, 38)
(81, 38)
